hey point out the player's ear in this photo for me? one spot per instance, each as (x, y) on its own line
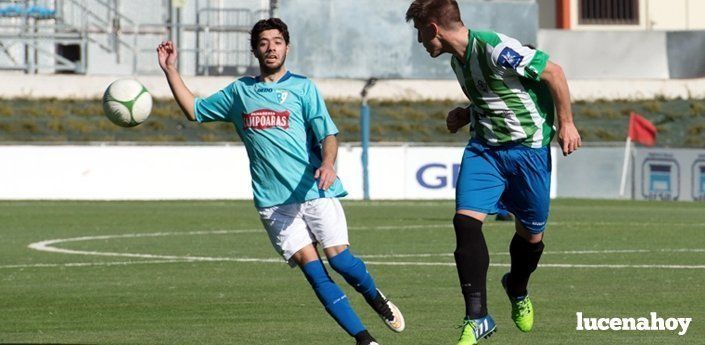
(436, 29)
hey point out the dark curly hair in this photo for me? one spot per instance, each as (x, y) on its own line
(268, 24)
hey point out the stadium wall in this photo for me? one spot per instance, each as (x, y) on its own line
(364, 38)
(626, 54)
(330, 39)
(686, 54)
(124, 172)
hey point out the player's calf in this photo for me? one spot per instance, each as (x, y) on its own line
(472, 261)
(332, 297)
(355, 273)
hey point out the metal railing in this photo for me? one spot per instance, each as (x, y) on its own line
(608, 12)
(32, 31)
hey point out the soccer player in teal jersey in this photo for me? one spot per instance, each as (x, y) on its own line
(291, 144)
(516, 94)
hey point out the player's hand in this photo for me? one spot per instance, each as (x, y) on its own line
(569, 138)
(166, 52)
(457, 118)
(325, 176)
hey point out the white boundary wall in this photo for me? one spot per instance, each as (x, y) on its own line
(209, 172)
(88, 87)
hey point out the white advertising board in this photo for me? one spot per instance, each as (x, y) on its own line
(110, 172)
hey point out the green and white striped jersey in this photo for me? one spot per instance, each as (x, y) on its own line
(502, 79)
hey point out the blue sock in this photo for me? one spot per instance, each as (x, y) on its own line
(355, 273)
(332, 297)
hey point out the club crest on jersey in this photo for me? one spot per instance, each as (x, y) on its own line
(509, 58)
(282, 95)
(265, 119)
(482, 86)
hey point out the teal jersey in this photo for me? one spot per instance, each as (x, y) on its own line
(282, 125)
(502, 78)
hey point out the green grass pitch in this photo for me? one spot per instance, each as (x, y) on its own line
(204, 272)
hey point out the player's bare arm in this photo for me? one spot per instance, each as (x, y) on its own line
(167, 54)
(457, 119)
(568, 136)
(326, 173)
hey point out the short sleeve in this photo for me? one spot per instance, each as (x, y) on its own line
(510, 54)
(216, 107)
(316, 114)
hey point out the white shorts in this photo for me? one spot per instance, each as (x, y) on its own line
(292, 227)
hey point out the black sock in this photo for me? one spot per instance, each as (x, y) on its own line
(364, 335)
(472, 261)
(525, 258)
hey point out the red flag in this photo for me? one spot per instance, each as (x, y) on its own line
(641, 130)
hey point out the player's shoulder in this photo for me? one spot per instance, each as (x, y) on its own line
(247, 80)
(297, 79)
(490, 37)
(298, 82)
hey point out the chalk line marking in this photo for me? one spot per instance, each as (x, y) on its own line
(49, 246)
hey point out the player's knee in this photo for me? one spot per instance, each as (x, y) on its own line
(469, 239)
(466, 228)
(531, 238)
(531, 235)
(316, 274)
(536, 239)
(345, 263)
(533, 244)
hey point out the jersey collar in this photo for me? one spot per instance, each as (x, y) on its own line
(286, 76)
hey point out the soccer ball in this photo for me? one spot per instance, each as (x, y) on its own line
(127, 103)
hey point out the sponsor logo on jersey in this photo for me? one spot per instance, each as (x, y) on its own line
(265, 119)
(509, 58)
(263, 89)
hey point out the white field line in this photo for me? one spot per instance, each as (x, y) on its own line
(87, 264)
(564, 252)
(374, 263)
(449, 225)
(382, 263)
(48, 246)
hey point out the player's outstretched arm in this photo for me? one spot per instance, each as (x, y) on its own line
(166, 52)
(326, 173)
(568, 136)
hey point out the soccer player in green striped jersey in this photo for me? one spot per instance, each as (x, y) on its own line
(516, 95)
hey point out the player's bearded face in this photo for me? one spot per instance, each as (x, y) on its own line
(427, 36)
(271, 50)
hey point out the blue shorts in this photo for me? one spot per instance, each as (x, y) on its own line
(518, 176)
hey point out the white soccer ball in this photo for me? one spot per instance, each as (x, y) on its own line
(127, 103)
